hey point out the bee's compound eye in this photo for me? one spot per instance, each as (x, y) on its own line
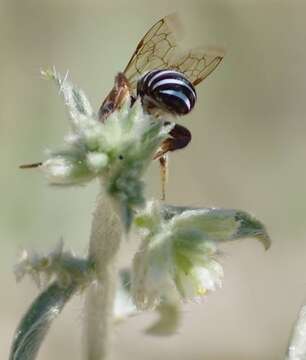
(169, 89)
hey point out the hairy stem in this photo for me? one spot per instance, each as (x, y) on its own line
(106, 234)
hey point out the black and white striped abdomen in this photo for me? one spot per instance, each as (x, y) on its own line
(168, 89)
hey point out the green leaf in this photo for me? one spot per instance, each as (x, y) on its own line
(251, 227)
(216, 224)
(35, 324)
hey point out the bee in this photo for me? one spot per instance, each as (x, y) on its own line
(162, 75)
(164, 78)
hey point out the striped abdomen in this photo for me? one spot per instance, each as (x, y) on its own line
(168, 90)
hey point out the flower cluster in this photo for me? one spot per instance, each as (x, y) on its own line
(177, 258)
(116, 151)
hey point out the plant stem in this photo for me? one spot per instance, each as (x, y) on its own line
(105, 239)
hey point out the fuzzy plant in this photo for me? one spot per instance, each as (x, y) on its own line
(178, 255)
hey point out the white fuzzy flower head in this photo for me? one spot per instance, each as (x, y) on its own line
(117, 151)
(178, 255)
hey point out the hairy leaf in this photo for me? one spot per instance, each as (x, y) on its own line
(217, 224)
(35, 324)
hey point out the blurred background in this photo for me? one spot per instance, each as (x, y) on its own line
(248, 151)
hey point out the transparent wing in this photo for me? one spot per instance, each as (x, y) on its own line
(155, 50)
(197, 64)
(158, 49)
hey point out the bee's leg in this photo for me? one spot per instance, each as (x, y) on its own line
(120, 92)
(179, 138)
(163, 162)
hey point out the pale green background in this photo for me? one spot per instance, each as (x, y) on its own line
(248, 151)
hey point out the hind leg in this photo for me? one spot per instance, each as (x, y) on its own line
(180, 138)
